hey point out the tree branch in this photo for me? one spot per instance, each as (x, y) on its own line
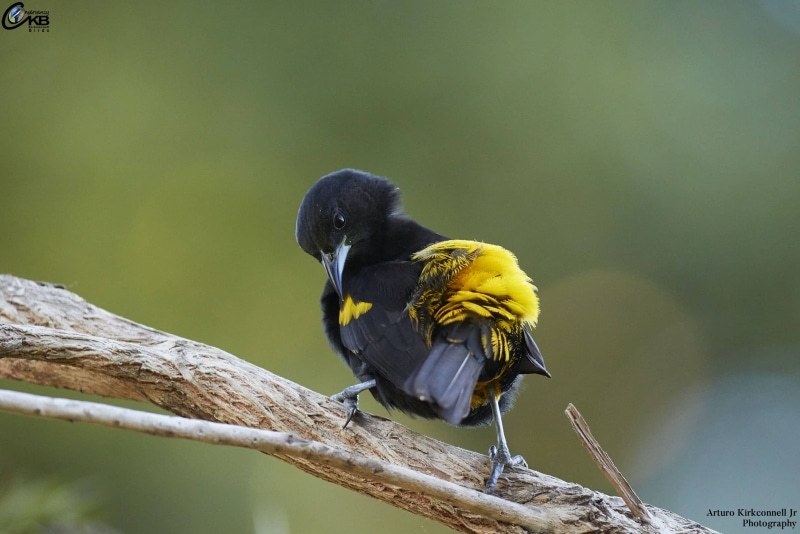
(52, 337)
(606, 465)
(271, 442)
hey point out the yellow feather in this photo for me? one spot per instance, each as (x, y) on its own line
(477, 308)
(352, 310)
(481, 278)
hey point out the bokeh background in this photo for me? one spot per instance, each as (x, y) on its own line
(641, 159)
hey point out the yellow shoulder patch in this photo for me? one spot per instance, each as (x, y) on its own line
(352, 310)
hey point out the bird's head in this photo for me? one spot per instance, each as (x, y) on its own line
(340, 214)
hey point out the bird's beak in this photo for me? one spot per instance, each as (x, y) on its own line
(334, 266)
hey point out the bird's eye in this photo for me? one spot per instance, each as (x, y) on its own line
(339, 220)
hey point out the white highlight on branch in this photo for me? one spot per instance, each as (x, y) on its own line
(274, 443)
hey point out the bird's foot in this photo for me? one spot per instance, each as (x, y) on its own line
(349, 397)
(500, 459)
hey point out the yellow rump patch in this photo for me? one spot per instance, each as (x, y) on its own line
(352, 310)
(468, 280)
(483, 279)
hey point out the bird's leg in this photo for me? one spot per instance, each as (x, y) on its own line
(349, 397)
(499, 454)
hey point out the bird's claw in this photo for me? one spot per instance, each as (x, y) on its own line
(349, 397)
(500, 459)
(350, 403)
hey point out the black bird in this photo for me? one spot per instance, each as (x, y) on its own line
(434, 327)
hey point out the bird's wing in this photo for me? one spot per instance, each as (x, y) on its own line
(374, 322)
(431, 326)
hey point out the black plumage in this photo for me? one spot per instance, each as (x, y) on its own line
(434, 327)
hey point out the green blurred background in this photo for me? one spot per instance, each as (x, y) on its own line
(641, 159)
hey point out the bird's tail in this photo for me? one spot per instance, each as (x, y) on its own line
(447, 377)
(532, 362)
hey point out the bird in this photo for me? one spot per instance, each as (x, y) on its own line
(435, 327)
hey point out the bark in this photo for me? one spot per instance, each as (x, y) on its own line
(50, 336)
